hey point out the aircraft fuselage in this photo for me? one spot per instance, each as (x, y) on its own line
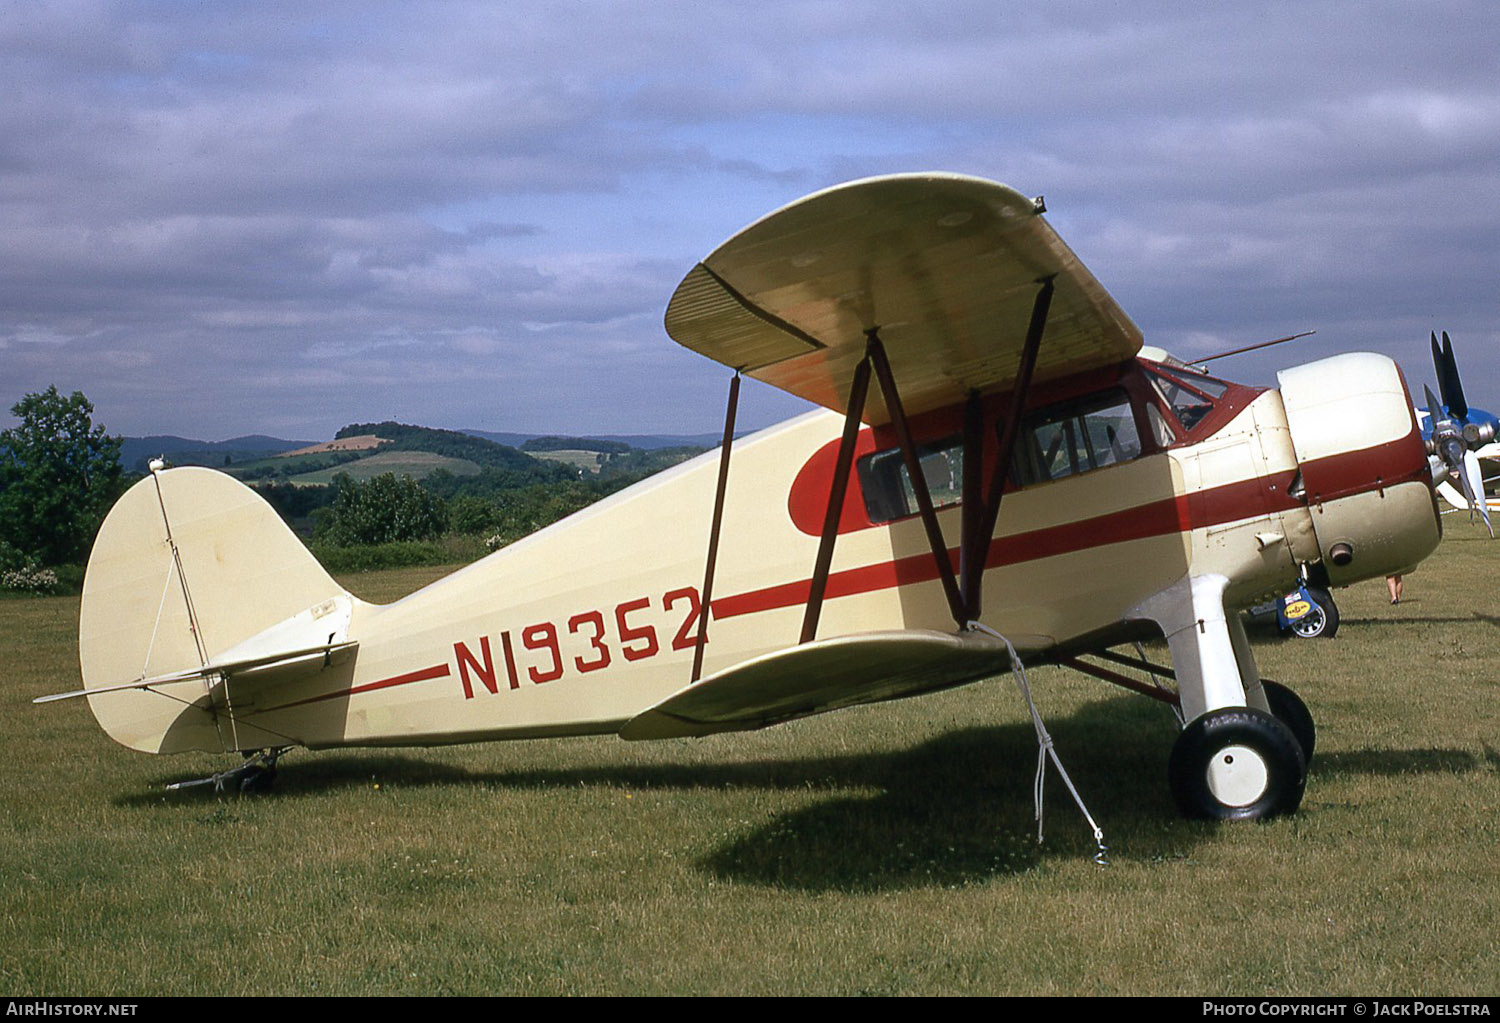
(582, 626)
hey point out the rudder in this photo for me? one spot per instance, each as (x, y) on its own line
(190, 563)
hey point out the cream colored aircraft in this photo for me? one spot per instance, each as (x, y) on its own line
(1018, 471)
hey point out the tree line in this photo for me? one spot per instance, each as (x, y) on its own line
(60, 473)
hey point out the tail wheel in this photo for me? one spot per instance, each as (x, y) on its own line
(257, 779)
(1288, 708)
(1313, 624)
(1328, 627)
(1237, 763)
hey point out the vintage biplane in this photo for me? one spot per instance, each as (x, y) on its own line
(994, 469)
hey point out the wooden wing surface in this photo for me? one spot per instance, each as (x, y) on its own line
(946, 267)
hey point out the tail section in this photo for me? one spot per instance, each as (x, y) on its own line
(193, 577)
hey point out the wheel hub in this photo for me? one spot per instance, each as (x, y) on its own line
(1311, 624)
(1238, 776)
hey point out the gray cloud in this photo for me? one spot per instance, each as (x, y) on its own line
(232, 217)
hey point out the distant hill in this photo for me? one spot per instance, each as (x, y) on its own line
(253, 455)
(539, 445)
(366, 444)
(416, 464)
(451, 443)
(640, 441)
(137, 452)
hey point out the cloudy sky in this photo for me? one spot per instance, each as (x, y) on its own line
(221, 218)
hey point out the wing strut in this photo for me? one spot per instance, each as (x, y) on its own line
(980, 511)
(857, 391)
(713, 532)
(876, 355)
(979, 529)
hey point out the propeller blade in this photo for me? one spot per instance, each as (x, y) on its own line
(1437, 368)
(1474, 490)
(1435, 410)
(1449, 384)
(1468, 489)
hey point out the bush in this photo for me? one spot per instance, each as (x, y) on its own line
(32, 579)
(22, 574)
(471, 515)
(383, 510)
(450, 550)
(366, 557)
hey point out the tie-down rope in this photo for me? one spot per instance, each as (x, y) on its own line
(1045, 750)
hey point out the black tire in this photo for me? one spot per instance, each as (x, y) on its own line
(257, 780)
(1324, 599)
(1237, 763)
(1288, 708)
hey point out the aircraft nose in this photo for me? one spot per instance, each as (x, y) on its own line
(1364, 467)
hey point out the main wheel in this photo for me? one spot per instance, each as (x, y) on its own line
(1288, 708)
(1237, 763)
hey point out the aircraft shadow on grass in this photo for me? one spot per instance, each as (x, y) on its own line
(1421, 619)
(1266, 628)
(954, 810)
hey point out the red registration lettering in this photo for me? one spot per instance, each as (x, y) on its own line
(687, 634)
(543, 637)
(595, 619)
(510, 660)
(628, 634)
(485, 671)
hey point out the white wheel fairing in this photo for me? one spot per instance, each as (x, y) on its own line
(1238, 776)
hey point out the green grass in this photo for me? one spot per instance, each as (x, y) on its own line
(416, 464)
(283, 465)
(882, 850)
(588, 461)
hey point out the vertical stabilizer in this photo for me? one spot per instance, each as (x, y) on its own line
(189, 564)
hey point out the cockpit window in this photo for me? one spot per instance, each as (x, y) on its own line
(1189, 395)
(1078, 437)
(889, 494)
(1159, 428)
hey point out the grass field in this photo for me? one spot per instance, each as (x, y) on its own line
(588, 461)
(416, 464)
(882, 850)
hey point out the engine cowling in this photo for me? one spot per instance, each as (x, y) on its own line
(1362, 464)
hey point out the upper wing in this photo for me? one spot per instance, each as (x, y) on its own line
(946, 267)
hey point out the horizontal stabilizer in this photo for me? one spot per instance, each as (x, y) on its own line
(822, 676)
(314, 658)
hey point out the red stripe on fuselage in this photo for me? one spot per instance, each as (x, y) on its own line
(1355, 472)
(1158, 518)
(423, 675)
